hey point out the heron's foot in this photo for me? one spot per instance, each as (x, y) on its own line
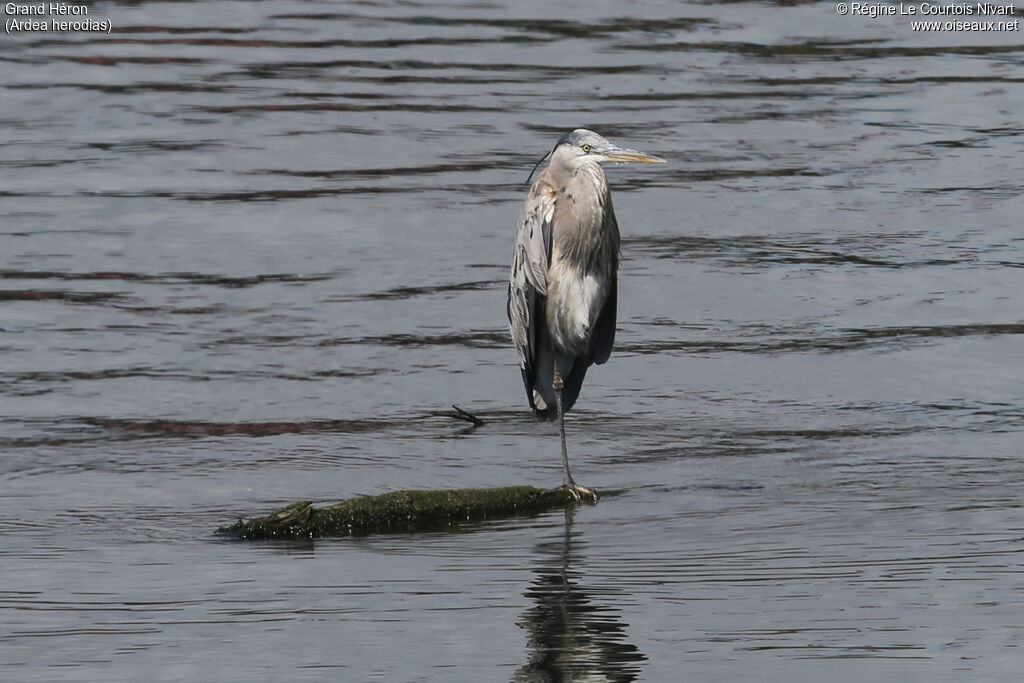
(579, 493)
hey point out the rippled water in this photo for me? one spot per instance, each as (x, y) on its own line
(251, 253)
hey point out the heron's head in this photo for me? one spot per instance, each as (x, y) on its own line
(584, 146)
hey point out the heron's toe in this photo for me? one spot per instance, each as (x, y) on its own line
(579, 493)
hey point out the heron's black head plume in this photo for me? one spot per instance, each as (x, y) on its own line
(539, 162)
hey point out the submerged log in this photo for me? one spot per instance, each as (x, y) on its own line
(402, 511)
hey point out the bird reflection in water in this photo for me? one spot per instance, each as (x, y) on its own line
(570, 637)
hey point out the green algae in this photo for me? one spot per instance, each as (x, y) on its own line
(402, 511)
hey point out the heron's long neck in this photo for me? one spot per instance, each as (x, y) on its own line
(586, 234)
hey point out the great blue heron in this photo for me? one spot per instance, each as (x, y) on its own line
(562, 289)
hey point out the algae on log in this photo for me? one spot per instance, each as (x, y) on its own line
(402, 511)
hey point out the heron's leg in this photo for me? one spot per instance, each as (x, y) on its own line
(559, 386)
(570, 484)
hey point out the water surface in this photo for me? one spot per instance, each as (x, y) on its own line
(251, 252)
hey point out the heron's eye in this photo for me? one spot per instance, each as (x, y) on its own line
(586, 149)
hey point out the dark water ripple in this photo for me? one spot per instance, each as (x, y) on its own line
(252, 253)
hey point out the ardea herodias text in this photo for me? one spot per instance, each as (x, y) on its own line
(562, 289)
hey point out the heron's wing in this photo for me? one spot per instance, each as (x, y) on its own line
(533, 235)
(603, 338)
(527, 284)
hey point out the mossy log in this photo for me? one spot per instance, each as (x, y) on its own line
(402, 511)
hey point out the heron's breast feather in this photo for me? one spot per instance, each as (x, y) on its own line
(574, 302)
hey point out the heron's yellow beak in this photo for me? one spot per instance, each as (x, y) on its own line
(631, 155)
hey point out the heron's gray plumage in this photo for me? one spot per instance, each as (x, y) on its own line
(562, 293)
(563, 280)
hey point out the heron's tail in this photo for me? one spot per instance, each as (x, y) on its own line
(542, 394)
